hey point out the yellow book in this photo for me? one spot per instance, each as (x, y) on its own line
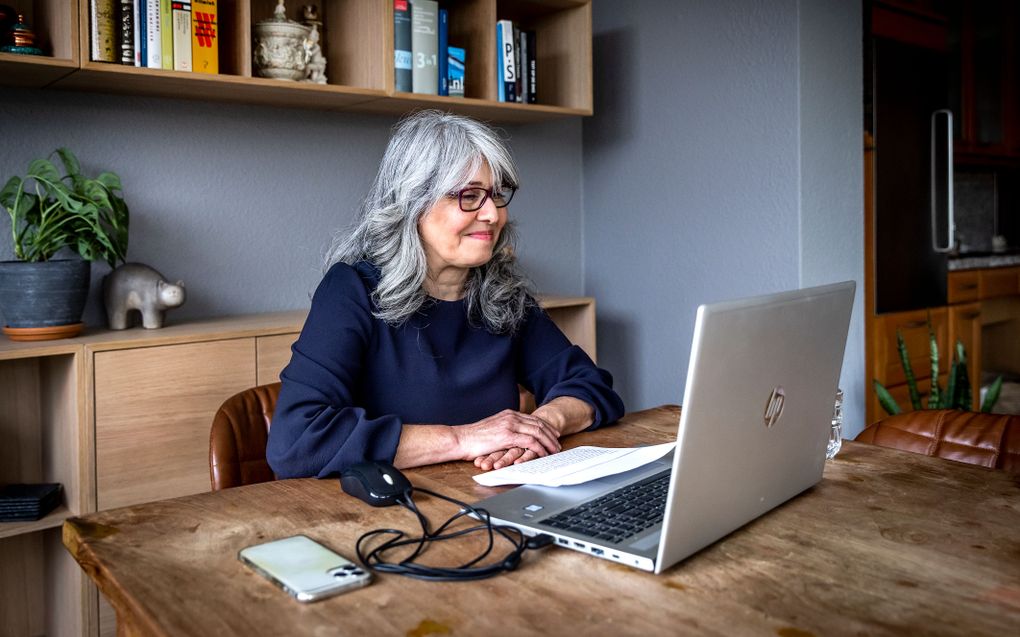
(205, 41)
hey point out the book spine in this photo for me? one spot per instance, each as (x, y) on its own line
(127, 32)
(143, 39)
(101, 22)
(518, 87)
(500, 87)
(137, 6)
(457, 57)
(166, 31)
(205, 41)
(402, 45)
(509, 68)
(153, 38)
(182, 34)
(444, 34)
(532, 69)
(522, 80)
(425, 46)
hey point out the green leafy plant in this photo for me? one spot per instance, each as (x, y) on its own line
(49, 211)
(957, 394)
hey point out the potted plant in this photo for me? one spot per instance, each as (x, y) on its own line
(42, 296)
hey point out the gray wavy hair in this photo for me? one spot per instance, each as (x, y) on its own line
(430, 154)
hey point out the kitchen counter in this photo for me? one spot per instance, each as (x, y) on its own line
(984, 260)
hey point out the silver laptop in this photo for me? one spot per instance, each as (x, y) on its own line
(753, 432)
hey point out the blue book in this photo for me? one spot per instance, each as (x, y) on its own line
(444, 34)
(142, 32)
(455, 75)
(501, 93)
(402, 45)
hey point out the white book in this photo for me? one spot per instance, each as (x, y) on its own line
(138, 33)
(153, 35)
(425, 46)
(507, 55)
(182, 34)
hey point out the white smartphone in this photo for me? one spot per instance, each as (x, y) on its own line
(304, 568)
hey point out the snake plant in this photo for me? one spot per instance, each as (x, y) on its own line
(957, 394)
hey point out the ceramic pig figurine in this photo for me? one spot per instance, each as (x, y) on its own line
(135, 286)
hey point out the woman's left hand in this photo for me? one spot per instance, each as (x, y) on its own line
(504, 458)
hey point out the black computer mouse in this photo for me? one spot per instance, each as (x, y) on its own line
(377, 483)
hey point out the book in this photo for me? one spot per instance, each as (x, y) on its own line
(139, 19)
(126, 32)
(522, 76)
(425, 46)
(532, 68)
(456, 57)
(402, 45)
(205, 42)
(444, 34)
(166, 33)
(518, 87)
(507, 76)
(181, 34)
(102, 31)
(153, 37)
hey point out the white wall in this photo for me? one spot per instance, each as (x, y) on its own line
(724, 160)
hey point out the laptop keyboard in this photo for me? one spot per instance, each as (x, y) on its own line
(619, 515)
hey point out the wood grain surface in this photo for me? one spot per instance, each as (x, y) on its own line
(887, 543)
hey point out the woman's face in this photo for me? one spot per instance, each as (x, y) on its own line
(458, 239)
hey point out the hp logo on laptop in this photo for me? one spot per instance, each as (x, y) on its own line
(774, 406)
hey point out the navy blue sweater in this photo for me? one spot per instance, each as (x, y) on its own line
(354, 380)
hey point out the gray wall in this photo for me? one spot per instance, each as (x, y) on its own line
(240, 201)
(724, 160)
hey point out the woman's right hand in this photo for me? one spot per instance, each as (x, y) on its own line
(506, 430)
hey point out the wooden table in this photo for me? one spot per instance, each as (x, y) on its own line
(887, 543)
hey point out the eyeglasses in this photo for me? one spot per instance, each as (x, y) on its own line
(473, 198)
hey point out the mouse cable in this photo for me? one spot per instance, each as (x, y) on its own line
(468, 571)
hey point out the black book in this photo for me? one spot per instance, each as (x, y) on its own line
(27, 502)
(532, 68)
(402, 45)
(126, 32)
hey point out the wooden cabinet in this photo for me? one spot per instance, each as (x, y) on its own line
(915, 326)
(123, 417)
(965, 327)
(358, 37)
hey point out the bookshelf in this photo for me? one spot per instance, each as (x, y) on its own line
(359, 48)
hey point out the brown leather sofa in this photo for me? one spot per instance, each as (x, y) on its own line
(988, 440)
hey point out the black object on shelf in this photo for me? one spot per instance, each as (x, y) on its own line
(28, 502)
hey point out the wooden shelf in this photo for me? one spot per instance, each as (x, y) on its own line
(54, 519)
(359, 51)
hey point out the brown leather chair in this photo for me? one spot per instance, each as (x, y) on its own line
(988, 440)
(237, 440)
(240, 430)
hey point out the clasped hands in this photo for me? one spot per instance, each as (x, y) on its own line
(512, 437)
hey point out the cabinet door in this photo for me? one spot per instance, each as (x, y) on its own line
(965, 326)
(153, 409)
(901, 394)
(272, 355)
(995, 282)
(914, 327)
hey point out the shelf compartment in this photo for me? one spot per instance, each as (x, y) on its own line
(55, 23)
(41, 427)
(43, 588)
(563, 41)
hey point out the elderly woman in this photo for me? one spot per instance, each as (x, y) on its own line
(423, 326)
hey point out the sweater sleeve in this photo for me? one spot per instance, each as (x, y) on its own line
(317, 430)
(550, 367)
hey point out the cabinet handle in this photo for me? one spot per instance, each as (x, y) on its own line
(969, 286)
(911, 325)
(971, 315)
(948, 190)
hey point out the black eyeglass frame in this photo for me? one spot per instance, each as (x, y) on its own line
(487, 193)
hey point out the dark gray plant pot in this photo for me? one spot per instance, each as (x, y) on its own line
(44, 294)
